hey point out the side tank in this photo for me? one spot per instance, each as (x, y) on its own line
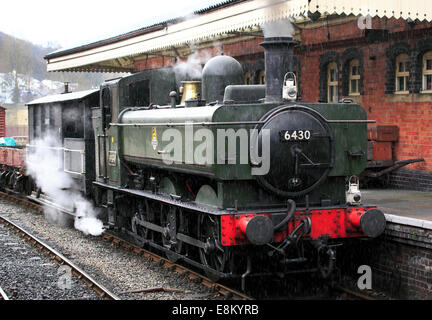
(161, 137)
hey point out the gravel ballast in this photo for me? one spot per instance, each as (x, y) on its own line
(26, 273)
(119, 270)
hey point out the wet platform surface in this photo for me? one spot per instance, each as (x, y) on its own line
(402, 205)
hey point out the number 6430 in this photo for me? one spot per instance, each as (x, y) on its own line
(296, 135)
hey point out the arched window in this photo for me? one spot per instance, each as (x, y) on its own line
(247, 78)
(427, 72)
(354, 77)
(402, 73)
(332, 82)
(352, 72)
(261, 77)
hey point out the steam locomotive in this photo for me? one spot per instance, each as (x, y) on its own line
(233, 179)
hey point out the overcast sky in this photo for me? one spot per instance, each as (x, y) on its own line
(70, 23)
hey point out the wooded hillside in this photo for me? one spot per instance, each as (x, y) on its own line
(20, 59)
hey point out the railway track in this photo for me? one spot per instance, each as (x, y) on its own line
(220, 289)
(354, 294)
(224, 291)
(62, 260)
(368, 295)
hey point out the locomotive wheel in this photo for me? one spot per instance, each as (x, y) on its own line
(144, 214)
(169, 223)
(214, 255)
(29, 186)
(19, 183)
(10, 179)
(3, 178)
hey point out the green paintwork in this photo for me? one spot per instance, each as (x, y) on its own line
(137, 141)
(231, 184)
(348, 137)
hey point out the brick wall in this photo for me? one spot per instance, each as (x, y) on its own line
(411, 179)
(400, 261)
(411, 112)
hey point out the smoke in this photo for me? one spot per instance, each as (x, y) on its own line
(191, 69)
(278, 28)
(44, 164)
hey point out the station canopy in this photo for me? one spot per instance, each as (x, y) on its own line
(226, 22)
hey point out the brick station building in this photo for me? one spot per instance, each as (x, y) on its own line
(383, 63)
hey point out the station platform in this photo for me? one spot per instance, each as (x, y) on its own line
(406, 207)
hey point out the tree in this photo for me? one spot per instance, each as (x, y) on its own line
(16, 91)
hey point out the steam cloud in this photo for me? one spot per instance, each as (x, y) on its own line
(192, 68)
(278, 28)
(43, 165)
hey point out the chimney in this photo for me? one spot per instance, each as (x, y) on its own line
(278, 53)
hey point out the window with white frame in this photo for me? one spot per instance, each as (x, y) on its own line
(261, 77)
(427, 72)
(354, 77)
(332, 82)
(247, 78)
(402, 73)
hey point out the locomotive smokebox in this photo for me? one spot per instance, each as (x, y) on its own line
(279, 53)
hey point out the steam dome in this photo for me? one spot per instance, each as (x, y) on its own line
(220, 72)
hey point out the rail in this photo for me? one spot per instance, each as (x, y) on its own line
(165, 263)
(220, 289)
(3, 295)
(354, 293)
(55, 255)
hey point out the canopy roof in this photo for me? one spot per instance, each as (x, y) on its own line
(226, 22)
(63, 97)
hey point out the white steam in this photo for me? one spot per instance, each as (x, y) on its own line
(44, 164)
(191, 69)
(278, 28)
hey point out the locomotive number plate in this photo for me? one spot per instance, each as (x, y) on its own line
(295, 135)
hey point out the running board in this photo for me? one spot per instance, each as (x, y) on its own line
(190, 205)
